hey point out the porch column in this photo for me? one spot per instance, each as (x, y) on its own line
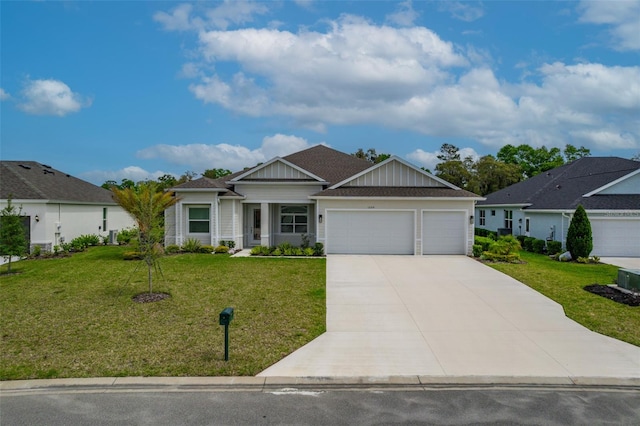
(264, 225)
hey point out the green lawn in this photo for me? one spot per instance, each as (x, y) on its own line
(74, 317)
(564, 282)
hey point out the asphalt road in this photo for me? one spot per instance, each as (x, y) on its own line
(445, 406)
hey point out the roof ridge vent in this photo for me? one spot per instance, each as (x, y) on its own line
(47, 166)
(24, 166)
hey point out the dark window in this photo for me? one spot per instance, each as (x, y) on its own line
(104, 218)
(294, 219)
(493, 212)
(483, 219)
(508, 219)
(199, 220)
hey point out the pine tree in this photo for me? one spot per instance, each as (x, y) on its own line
(12, 238)
(579, 239)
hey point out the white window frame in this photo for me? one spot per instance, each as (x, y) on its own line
(508, 219)
(199, 220)
(483, 218)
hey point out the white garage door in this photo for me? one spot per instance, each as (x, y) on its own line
(615, 237)
(444, 232)
(370, 232)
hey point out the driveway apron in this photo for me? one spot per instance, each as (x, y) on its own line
(447, 316)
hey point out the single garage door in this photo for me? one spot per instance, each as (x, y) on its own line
(444, 232)
(370, 232)
(616, 237)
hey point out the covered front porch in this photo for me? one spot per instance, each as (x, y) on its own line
(271, 224)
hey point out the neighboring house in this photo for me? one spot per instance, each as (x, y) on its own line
(346, 203)
(58, 207)
(542, 206)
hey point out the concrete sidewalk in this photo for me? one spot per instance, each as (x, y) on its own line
(440, 317)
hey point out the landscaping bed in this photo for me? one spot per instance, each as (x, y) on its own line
(614, 294)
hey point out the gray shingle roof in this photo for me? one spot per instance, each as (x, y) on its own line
(331, 165)
(563, 188)
(30, 180)
(393, 191)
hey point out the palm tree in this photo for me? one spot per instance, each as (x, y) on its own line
(146, 206)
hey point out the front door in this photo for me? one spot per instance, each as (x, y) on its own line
(254, 231)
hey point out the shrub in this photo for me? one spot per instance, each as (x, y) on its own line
(521, 239)
(255, 251)
(554, 247)
(230, 244)
(209, 249)
(538, 246)
(172, 248)
(528, 243)
(308, 251)
(579, 238)
(277, 252)
(485, 242)
(192, 245)
(262, 251)
(37, 251)
(507, 244)
(126, 235)
(305, 241)
(298, 251)
(477, 250)
(132, 255)
(285, 246)
(318, 249)
(481, 232)
(221, 249)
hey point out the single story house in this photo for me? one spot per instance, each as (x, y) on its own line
(346, 203)
(542, 206)
(58, 207)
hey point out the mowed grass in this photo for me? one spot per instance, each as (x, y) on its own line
(564, 282)
(74, 317)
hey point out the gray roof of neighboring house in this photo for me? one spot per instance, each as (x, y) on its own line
(563, 188)
(30, 180)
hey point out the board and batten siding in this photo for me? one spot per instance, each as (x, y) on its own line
(231, 221)
(277, 170)
(394, 174)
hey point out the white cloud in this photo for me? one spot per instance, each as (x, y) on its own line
(51, 97)
(605, 140)
(623, 18)
(356, 72)
(430, 160)
(4, 95)
(227, 13)
(404, 16)
(233, 157)
(134, 173)
(463, 11)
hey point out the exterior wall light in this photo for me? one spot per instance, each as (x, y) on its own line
(320, 218)
(37, 218)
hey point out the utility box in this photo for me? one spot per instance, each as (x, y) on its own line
(629, 279)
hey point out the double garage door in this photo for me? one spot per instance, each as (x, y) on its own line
(394, 232)
(616, 237)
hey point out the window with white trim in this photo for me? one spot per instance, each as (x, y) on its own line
(199, 220)
(508, 219)
(104, 218)
(483, 219)
(294, 219)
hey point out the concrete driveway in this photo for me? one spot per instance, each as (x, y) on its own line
(448, 316)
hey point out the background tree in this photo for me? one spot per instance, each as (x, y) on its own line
(491, 175)
(216, 173)
(146, 206)
(579, 238)
(571, 153)
(12, 233)
(532, 161)
(370, 155)
(452, 168)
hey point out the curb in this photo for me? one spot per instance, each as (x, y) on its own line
(261, 384)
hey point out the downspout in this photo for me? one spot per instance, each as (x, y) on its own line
(217, 222)
(564, 238)
(233, 220)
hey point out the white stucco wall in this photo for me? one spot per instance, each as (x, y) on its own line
(62, 222)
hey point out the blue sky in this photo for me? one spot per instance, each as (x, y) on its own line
(113, 90)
